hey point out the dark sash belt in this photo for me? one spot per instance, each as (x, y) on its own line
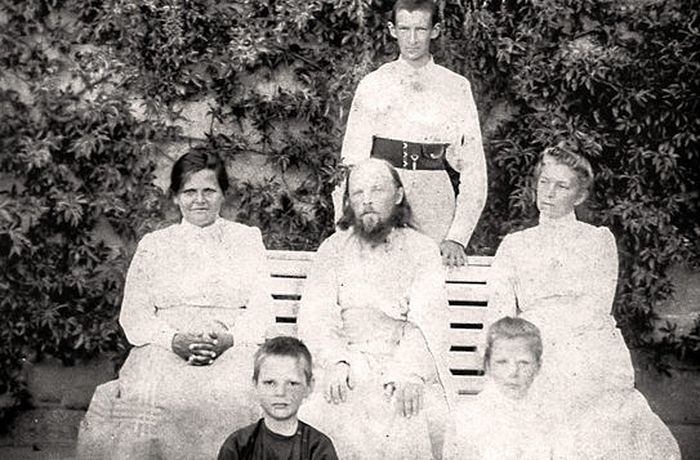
(414, 156)
(409, 155)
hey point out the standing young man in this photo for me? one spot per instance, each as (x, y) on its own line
(421, 118)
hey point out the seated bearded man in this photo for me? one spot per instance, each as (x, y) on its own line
(374, 312)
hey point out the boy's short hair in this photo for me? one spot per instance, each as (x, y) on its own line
(416, 5)
(283, 346)
(513, 328)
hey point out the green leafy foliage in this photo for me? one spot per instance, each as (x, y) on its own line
(616, 80)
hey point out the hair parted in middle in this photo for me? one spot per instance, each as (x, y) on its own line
(511, 328)
(284, 346)
(194, 161)
(401, 218)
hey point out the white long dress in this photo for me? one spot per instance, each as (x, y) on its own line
(384, 311)
(561, 275)
(494, 427)
(183, 278)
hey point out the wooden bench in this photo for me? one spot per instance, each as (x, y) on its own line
(467, 294)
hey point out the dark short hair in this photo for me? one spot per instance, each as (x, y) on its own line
(416, 5)
(402, 214)
(194, 161)
(564, 154)
(284, 346)
(513, 328)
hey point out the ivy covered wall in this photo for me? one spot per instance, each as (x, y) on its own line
(98, 97)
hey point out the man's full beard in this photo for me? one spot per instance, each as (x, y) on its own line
(371, 228)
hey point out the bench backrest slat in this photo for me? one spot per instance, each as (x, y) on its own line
(466, 291)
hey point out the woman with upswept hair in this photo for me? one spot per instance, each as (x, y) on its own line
(561, 275)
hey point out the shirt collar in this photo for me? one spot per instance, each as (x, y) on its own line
(404, 65)
(208, 230)
(563, 221)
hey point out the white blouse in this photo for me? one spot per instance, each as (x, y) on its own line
(198, 279)
(562, 271)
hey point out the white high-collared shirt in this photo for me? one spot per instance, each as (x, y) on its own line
(429, 104)
(560, 264)
(186, 278)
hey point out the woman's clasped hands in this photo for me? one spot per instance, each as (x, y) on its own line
(201, 349)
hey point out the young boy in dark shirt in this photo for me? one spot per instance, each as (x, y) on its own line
(283, 379)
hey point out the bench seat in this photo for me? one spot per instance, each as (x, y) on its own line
(466, 292)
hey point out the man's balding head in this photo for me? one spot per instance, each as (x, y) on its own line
(374, 200)
(375, 172)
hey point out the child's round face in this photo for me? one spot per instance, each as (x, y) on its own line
(281, 386)
(513, 366)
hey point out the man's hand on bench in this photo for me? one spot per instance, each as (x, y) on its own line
(453, 254)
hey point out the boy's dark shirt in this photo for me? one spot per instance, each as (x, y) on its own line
(257, 442)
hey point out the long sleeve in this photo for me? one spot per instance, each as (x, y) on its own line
(319, 322)
(429, 310)
(428, 307)
(232, 447)
(502, 282)
(603, 273)
(252, 326)
(138, 313)
(357, 142)
(227, 453)
(471, 164)
(321, 446)
(502, 290)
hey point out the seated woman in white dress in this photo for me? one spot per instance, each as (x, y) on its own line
(195, 307)
(503, 422)
(561, 275)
